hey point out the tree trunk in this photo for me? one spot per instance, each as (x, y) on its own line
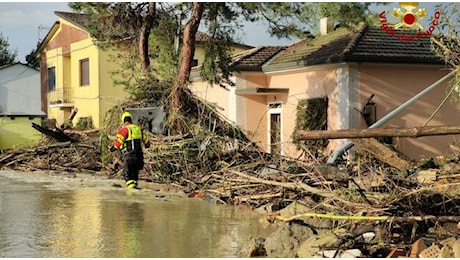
(187, 53)
(144, 38)
(188, 43)
(382, 153)
(377, 132)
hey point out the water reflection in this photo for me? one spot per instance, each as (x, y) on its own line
(37, 221)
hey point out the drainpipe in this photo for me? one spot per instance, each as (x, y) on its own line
(389, 116)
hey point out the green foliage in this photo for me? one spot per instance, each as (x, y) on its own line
(32, 59)
(116, 28)
(301, 19)
(447, 44)
(112, 23)
(216, 67)
(163, 48)
(311, 115)
(84, 123)
(7, 56)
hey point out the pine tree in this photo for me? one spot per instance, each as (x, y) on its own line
(7, 56)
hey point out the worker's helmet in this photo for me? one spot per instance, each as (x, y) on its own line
(125, 115)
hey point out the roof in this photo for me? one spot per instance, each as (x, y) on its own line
(75, 18)
(17, 64)
(365, 44)
(253, 59)
(202, 37)
(375, 44)
(250, 60)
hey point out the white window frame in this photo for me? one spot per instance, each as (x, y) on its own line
(277, 110)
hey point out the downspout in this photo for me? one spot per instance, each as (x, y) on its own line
(389, 116)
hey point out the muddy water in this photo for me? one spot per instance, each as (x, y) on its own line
(64, 217)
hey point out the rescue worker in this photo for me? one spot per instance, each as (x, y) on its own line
(129, 141)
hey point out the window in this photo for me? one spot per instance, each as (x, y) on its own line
(194, 62)
(84, 72)
(51, 79)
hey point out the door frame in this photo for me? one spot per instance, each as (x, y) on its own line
(275, 110)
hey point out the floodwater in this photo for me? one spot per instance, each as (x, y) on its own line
(43, 218)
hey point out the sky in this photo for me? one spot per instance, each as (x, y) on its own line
(25, 23)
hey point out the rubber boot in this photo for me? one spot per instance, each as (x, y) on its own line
(131, 184)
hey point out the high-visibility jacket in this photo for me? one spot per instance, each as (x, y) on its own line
(130, 137)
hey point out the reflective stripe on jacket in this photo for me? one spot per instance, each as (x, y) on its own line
(129, 138)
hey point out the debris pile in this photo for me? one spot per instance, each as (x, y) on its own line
(362, 208)
(80, 154)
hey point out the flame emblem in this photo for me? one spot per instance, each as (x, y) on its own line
(410, 16)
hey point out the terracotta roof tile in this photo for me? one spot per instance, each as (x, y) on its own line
(377, 45)
(202, 37)
(301, 52)
(253, 59)
(368, 43)
(75, 18)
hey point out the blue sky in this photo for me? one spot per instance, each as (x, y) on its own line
(24, 23)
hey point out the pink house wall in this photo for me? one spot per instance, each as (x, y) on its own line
(254, 107)
(213, 94)
(304, 84)
(393, 85)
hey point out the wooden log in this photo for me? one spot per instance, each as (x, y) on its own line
(56, 135)
(292, 185)
(369, 218)
(377, 132)
(258, 197)
(381, 152)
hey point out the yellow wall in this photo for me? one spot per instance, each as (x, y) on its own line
(86, 98)
(54, 58)
(18, 132)
(110, 94)
(92, 100)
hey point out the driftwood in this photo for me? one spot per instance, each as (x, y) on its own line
(289, 185)
(370, 218)
(57, 135)
(381, 152)
(377, 132)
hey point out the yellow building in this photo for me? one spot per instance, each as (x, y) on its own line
(77, 74)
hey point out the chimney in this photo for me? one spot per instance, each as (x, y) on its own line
(326, 25)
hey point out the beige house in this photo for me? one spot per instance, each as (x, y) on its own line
(341, 70)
